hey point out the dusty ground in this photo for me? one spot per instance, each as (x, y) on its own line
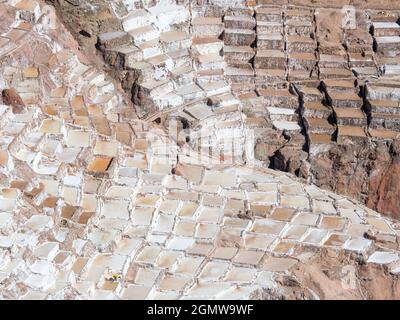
(329, 275)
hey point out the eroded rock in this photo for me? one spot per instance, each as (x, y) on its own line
(13, 99)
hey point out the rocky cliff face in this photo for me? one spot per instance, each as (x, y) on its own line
(365, 171)
(384, 183)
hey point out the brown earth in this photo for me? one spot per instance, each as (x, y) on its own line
(340, 276)
(85, 24)
(333, 275)
(12, 98)
(368, 172)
